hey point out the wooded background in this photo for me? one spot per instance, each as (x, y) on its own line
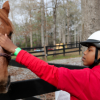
(45, 22)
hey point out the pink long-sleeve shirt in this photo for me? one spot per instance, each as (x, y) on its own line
(83, 84)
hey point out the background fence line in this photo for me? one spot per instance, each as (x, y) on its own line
(47, 49)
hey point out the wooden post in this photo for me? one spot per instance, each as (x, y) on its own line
(76, 44)
(63, 49)
(79, 48)
(46, 50)
(71, 44)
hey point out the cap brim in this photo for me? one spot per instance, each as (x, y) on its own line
(89, 41)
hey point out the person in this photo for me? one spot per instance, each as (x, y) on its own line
(82, 84)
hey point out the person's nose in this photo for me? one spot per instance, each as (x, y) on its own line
(85, 52)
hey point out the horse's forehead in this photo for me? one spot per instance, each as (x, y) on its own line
(4, 28)
(1, 24)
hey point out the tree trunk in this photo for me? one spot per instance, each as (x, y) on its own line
(31, 44)
(54, 17)
(68, 34)
(46, 26)
(60, 34)
(75, 36)
(31, 39)
(64, 31)
(26, 43)
(42, 23)
(90, 18)
(64, 24)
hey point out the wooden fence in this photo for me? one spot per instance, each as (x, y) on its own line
(52, 50)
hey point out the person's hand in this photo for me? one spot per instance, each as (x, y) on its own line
(7, 44)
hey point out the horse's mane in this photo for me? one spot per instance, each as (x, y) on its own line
(6, 19)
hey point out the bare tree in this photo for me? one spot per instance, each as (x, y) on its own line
(46, 25)
(28, 6)
(68, 34)
(42, 22)
(54, 3)
(64, 24)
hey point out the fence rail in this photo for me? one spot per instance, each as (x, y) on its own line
(45, 51)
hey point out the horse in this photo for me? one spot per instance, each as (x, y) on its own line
(6, 27)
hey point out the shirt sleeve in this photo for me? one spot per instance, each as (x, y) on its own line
(73, 81)
(42, 69)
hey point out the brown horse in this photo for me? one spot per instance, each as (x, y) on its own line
(5, 28)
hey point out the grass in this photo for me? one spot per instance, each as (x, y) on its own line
(69, 55)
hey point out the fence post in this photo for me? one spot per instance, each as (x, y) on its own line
(76, 43)
(71, 44)
(79, 48)
(46, 50)
(45, 53)
(64, 49)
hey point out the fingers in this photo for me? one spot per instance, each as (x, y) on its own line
(3, 39)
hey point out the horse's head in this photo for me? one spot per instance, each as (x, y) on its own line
(5, 28)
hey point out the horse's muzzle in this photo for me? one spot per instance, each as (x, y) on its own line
(8, 82)
(4, 85)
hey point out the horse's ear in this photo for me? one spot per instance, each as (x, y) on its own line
(6, 7)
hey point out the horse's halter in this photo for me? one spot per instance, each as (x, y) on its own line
(8, 56)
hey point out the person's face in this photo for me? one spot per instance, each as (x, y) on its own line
(89, 56)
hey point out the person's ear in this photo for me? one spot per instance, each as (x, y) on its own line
(6, 8)
(98, 54)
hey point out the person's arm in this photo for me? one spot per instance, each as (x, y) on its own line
(46, 72)
(42, 69)
(72, 81)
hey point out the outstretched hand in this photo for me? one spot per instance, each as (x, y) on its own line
(7, 44)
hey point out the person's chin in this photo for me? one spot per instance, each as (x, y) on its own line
(85, 64)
